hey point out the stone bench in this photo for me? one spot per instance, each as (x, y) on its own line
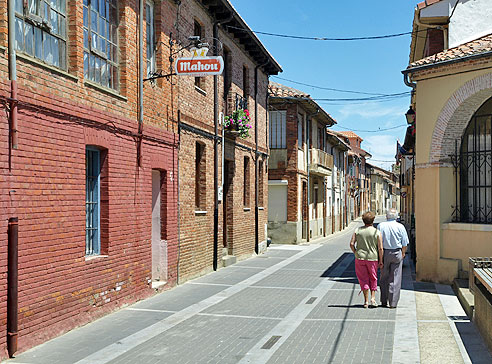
(481, 285)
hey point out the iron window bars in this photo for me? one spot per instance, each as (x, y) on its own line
(473, 172)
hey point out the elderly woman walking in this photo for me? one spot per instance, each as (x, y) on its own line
(367, 246)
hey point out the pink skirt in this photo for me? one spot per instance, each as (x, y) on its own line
(367, 274)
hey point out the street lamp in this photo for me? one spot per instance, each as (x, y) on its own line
(410, 115)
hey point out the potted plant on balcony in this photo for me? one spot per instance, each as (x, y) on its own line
(238, 123)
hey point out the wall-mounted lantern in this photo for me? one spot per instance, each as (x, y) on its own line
(410, 115)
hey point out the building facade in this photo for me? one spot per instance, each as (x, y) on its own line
(451, 73)
(299, 166)
(90, 175)
(217, 230)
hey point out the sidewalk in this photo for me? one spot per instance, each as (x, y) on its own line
(294, 304)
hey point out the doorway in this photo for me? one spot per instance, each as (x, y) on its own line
(159, 244)
(227, 205)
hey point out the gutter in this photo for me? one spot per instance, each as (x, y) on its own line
(140, 81)
(447, 62)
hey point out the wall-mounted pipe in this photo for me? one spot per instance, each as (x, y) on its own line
(12, 76)
(12, 285)
(140, 80)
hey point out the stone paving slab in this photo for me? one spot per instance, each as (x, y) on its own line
(337, 342)
(179, 297)
(78, 344)
(259, 302)
(200, 339)
(229, 275)
(259, 262)
(346, 304)
(290, 279)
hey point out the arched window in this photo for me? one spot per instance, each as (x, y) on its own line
(476, 168)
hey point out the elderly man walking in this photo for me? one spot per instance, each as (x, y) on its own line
(395, 241)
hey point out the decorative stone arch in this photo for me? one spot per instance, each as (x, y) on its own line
(456, 115)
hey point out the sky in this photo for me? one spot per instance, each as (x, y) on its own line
(372, 66)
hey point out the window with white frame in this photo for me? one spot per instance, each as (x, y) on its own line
(278, 130)
(300, 130)
(41, 30)
(92, 201)
(101, 42)
(149, 22)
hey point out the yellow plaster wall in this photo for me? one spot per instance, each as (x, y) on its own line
(433, 92)
(440, 253)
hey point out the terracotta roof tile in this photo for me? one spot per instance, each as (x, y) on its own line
(349, 134)
(477, 46)
(426, 3)
(279, 90)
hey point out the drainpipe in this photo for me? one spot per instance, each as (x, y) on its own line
(256, 156)
(12, 76)
(140, 81)
(12, 286)
(216, 153)
(215, 31)
(308, 130)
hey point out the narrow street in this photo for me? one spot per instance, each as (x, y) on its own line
(294, 304)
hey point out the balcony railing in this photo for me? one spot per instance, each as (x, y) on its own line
(320, 162)
(241, 102)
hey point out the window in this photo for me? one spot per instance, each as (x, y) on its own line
(92, 201)
(101, 42)
(41, 30)
(246, 183)
(198, 32)
(476, 168)
(200, 176)
(245, 83)
(260, 183)
(149, 23)
(278, 129)
(227, 74)
(300, 130)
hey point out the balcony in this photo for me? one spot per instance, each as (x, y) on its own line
(241, 102)
(320, 163)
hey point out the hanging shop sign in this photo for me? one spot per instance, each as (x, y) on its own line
(199, 65)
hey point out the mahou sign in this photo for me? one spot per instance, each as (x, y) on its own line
(199, 66)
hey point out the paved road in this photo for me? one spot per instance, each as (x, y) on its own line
(294, 304)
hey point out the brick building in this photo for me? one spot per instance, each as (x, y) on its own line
(213, 232)
(94, 190)
(358, 184)
(299, 167)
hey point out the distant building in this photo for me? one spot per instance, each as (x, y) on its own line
(299, 166)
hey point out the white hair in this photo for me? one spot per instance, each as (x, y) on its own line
(391, 214)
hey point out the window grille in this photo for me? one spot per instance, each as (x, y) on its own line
(92, 201)
(41, 30)
(278, 129)
(473, 171)
(101, 42)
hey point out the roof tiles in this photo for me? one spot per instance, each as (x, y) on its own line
(475, 47)
(278, 90)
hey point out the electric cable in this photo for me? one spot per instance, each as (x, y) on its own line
(370, 131)
(375, 37)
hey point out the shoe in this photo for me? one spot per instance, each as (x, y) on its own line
(392, 307)
(366, 305)
(373, 304)
(384, 305)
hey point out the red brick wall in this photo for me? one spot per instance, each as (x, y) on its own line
(59, 114)
(196, 109)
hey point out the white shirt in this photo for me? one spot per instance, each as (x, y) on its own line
(394, 234)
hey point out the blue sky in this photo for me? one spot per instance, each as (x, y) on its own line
(368, 66)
